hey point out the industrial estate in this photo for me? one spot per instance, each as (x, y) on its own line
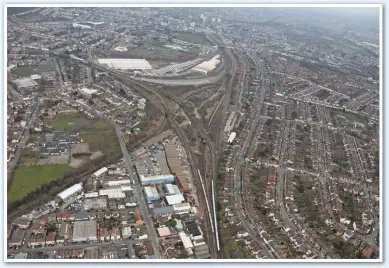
(193, 133)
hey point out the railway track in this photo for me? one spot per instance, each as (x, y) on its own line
(211, 147)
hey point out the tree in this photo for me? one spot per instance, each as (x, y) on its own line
(171, 222)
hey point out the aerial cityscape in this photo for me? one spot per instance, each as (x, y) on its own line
(149, 133)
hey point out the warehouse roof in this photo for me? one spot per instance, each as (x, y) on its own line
(155, 178)
(112, 192)
(163, 231)
(91, 194)
(100, 171)
(181, 206)
(163, 210)
(70, 191)
(25, 82)
(88, 91)
(175, 199)
(185, 240)
(82, 230)
(169, 188)
(127, 64)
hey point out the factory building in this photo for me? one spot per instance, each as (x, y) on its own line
(126, 64)
(87, 93)
(175, 165)
(112, 193)
(71, 192)
(185, 240)
(182, 208)
(91, 195)
(151, 193)
(207, 66)
(171, 189)
(85, 231)
(16, 239)
(118, 183)
(230, 123)
(175, 199)
(95, 203)
(232, 137)
(25, 84)
(164, 232)
(100, 172)
(156, 179)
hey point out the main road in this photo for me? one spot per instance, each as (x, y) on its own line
(75, 246)
(138, 191)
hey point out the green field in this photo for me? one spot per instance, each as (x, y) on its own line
(192, 38)
(351, 117)
(69, 122)
(23, 71)
(105, 141)
(27, 161)
(27, 179)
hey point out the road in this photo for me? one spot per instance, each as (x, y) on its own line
(138, 190)
(77, 246)
(258, 103)
(23, 140)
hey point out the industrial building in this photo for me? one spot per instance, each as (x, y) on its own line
(16, 239)
(169, 178)
(85, 231)
(25, 84)
(100, 172)
(126, 64)
(171, 189)
(175, 165)
(175, 199)
(151, 193)
(185, 240)
(144, 166)
(164, 232)
(230, 123)
(207, 66)
(95, 203)
(232, 137)
(182, 208)
(91, 195)
(113, 193)
(71, 192)
(118, 183)
(163, 211)
(163, 168)
(87, 93)
(64, 232)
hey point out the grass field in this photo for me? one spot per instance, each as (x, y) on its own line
(191, 38)
(228, 247)
(28, 178)
(105, 141)
(69, 122)
(27, 161)
(24, 71)
(351, 117)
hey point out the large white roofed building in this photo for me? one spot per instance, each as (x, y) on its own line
(175, 199)
(126, 64)
(185, 240)
(71, 191)
(113, 193)
(100, 172)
